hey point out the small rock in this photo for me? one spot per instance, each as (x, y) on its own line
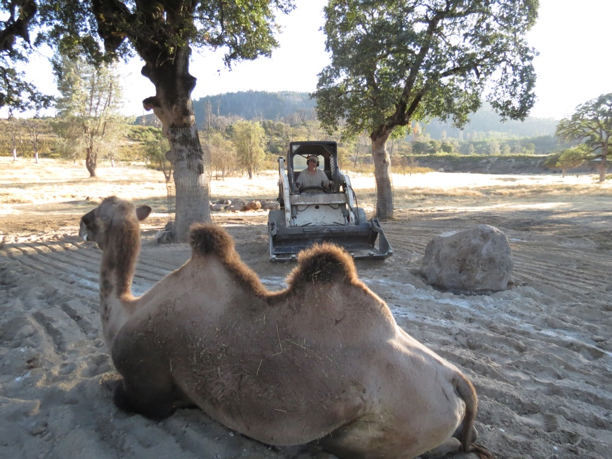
(252, 205)
(39, 430)
(163, 237)
(270, 205)
(236, 206)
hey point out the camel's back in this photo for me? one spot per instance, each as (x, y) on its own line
(295, 368)
(282, 369)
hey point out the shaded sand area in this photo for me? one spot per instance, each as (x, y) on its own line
(539, 354)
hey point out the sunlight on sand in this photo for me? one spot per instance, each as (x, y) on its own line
(265, 183)
(451, 180)
(51, 181)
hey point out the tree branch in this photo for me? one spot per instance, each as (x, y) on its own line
(17, 27)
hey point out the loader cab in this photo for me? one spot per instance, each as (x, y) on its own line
(327, 154)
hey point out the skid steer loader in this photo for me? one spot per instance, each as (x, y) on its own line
(320, 214)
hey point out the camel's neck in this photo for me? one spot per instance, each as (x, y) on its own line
(118, 263)
(116, 276)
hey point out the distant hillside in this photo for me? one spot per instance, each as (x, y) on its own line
(485, 122)
(255, 105)
(299, 106)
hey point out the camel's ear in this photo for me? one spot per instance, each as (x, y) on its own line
(143, 212)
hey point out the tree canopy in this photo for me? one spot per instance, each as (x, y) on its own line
(396, 61)
(162, 33)
(567, 159)
(591, 124)
(89, 103)
(16, 92)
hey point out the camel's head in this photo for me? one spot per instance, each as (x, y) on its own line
(112, 212)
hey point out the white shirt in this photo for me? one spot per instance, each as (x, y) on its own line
(306, 179)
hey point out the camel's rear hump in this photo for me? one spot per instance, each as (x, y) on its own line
(323, 263)
(209, 239)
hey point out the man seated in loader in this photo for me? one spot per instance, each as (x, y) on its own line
(313, 177)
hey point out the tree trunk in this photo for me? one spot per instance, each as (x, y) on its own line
(250, 172)
(603, 169)
(91, 162)
(382, 173)
(191, 183)
(172, 105)
(14, 154)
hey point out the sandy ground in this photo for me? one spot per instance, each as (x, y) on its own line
(539, 354)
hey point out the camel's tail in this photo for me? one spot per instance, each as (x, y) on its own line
(466, 391)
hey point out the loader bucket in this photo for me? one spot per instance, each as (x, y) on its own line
(366, 240)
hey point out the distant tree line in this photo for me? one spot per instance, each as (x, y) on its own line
(226, 117)
(134, 142)
(296, 107)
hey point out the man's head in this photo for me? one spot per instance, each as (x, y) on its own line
(312, 161)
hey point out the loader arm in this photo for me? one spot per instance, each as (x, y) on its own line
(285, 194)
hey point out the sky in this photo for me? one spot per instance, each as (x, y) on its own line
(573, 66)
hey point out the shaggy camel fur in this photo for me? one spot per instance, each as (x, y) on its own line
(322, 360)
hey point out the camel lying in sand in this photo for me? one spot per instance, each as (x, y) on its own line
(321, 360)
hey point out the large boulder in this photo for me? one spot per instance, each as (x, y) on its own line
(478, 259)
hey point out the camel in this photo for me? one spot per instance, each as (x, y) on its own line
(321, 361)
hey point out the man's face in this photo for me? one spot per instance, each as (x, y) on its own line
(312, 164)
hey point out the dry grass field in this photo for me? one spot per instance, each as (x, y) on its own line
(539, 354)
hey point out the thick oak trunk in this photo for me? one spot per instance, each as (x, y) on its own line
(603, 169)
(91, 162)
(382, 174)
(173, 106)
(190, 180)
